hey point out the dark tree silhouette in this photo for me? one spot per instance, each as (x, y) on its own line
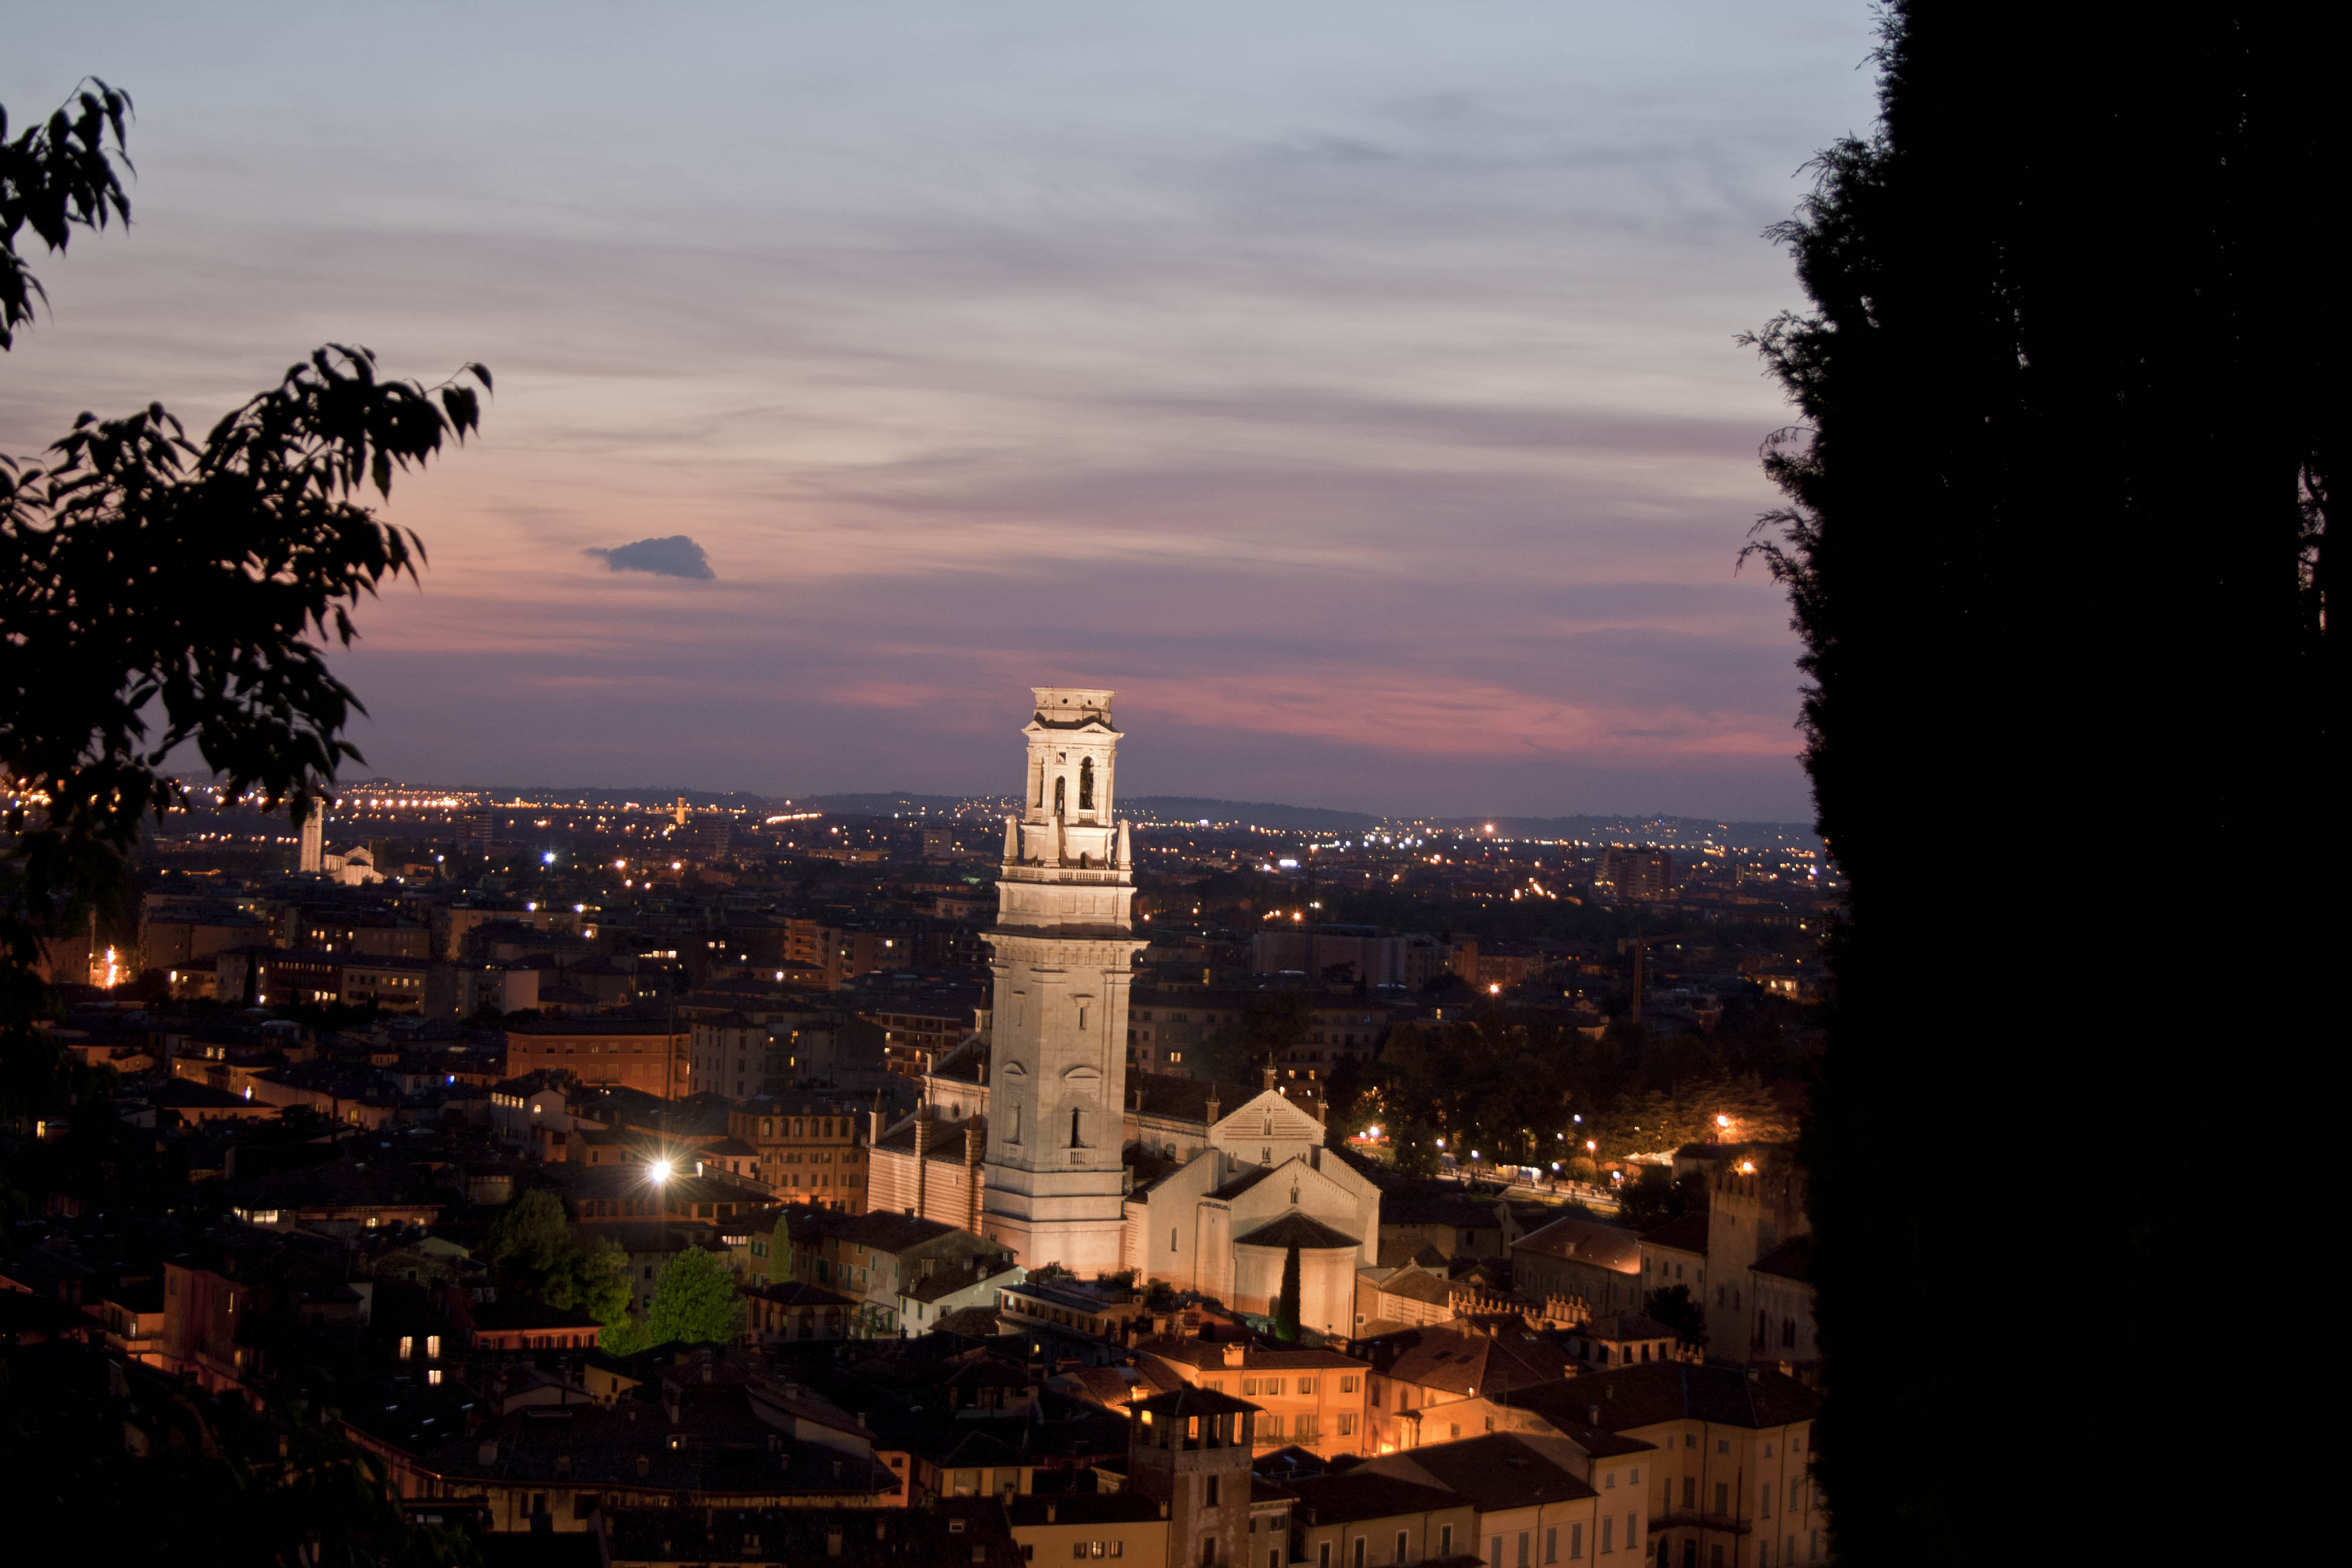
(157, 593)
(1286, 1305)
(2056, 547)
(1673, 1305)
(55, 176)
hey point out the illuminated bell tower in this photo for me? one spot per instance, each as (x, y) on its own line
(1064, 951)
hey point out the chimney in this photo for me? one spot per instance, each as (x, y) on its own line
(487, 1453)
(1215, 1107)
(1269, 1077)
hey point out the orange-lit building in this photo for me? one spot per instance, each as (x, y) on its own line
(649, 1055)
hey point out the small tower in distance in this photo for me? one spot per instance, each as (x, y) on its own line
(314, 838)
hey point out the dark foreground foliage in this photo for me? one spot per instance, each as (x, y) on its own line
(2073, 416)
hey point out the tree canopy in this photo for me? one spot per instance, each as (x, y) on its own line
(533, 1248)
(694, 1301)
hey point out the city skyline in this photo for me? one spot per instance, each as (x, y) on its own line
(1373, 371)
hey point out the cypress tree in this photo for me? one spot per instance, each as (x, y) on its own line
(1286, 1305)
(2056, 549)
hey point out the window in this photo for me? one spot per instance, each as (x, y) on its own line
(1521, 1561)
(431, 1343)
(1723, 1497)
(1495, 1551)
(1576, 1543)
(1793, 1504)
(1271, 1425)
(1323, 1554)
(407, 1346)
(1446, 1541)
(1306, 1385)
(1399, 1547)
(1690, 1492)
(1609, 1534)
(1723, 1444)
(1249, 1386)
(1171, 1237)
(1360, 1553)
(1347, 1425)
(1610, 1484)
(1551, 1544)
(1213, 1491)
(1764, 1509)
(1348, 1384)
(1274, 1385)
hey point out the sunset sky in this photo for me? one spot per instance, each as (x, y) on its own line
(1351, 387)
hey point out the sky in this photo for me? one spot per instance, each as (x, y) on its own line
(1353, 387)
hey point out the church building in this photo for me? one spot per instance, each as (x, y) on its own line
(1034, 1131)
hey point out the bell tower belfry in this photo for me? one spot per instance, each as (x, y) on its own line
(1063, 951)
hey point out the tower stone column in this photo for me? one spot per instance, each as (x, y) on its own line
(1063, 959)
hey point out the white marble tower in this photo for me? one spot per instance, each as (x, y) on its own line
(1064, 957)
(314, 838)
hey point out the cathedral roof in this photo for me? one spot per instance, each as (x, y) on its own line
(1184, 1098)
(1242, 1183)
(1295, 1229)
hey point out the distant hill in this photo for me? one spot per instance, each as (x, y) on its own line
(1256, 813)
(1628, 830)
(1606, 828)
(886, 802)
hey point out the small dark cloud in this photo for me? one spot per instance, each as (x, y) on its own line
(677, 556)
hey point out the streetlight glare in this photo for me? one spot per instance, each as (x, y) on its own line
(658, 1171)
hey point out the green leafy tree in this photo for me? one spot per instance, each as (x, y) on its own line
(695, 1301)
(595, 1280)
(529, 1238)
(533, 1248)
